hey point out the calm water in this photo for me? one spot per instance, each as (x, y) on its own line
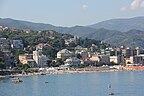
(92, 84)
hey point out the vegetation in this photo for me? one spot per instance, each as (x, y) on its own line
(54, 39)
(79, 65)
(107, 33)
(54, 42)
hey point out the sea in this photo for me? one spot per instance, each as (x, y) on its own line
(130, 83)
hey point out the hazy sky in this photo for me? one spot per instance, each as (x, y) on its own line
(70, 12)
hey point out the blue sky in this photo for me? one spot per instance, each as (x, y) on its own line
(70, 12)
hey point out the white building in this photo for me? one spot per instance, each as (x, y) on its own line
(64, 54)
(40, 59)
(72, 60)
(36, 56)
(42, 62)
(18, 44)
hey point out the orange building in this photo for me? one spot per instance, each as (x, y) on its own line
(26, 59)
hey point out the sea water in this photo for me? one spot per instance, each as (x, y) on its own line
(86, 84)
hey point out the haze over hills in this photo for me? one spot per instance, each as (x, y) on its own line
(116, 31)
(122, 25)
(132, 38)
(18, 24)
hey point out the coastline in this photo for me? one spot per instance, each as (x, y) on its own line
(73, 71)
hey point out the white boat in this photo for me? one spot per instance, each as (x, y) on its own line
(16, 80)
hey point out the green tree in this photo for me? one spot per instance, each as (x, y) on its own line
(2, 65)
(25, 66)
(78, 56)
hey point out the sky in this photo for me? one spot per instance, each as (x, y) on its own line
(70, 12)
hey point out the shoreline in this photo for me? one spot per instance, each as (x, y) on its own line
(77, 71)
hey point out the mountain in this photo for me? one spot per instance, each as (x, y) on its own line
(24, 24)
(122, 25)
(18, 24)
(127, 30)
(132, 38)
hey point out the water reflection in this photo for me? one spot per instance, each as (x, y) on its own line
(92, 84)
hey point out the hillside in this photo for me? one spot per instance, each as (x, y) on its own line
(55, 41)
(132, 38)
(126, 30)
(18, 24)
(22, 25)
(122, 25)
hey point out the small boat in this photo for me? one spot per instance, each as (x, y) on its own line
(111, 93)
(109, 87)
(16, 80)
(11, 76)
(43, 73)
(46, 82)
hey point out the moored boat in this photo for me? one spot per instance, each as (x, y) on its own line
(109, 87)
(16, 80)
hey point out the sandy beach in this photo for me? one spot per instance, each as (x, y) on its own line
(72, 71)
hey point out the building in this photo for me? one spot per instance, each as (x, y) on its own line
(128, 52)
(95, 57)
(3, 28)
(27, 59)
(41, 46)
(1, 57)
(93, 48)
(100, 58)
(136, 59)
(39, 58)
(127, 61)
(83, 53)
(64, 54)
(72, 60)
(142, 55)
(105, 59)
(42, 61)
(17, 44)
(72, 40)
(4, 44)
(5, 49)
(36, 56)
(115, 59)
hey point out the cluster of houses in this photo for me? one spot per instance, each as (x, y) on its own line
(37, 59)
(5, 53)
(121, 55)
(78, 55)
(2, 28)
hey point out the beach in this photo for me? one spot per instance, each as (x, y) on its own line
(76, 71)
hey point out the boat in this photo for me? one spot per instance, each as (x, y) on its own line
(111, 93)
(43, 73)
(11, 76)
(109, 87)
(16, 80)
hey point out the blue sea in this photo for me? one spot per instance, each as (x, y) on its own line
(86, 84)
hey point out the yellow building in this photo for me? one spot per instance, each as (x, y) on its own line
(26, 59)
(127, 60)
(115, 59)
(95, 58)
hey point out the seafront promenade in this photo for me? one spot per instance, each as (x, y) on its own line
(80, 70)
